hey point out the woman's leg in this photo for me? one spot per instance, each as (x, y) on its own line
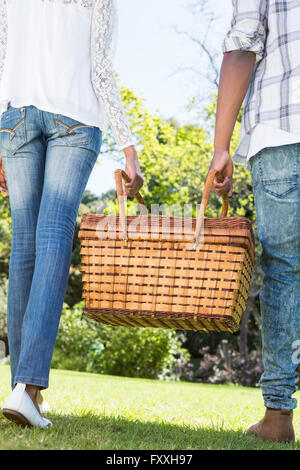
(69, 163)
(23, 155)
(276, 187)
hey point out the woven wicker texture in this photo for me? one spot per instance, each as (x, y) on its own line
(155, 279)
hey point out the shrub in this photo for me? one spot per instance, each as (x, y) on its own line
(76, 341)
(225, 366)
(142, 352)
(85, 345)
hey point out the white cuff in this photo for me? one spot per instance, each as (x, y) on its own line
(236, 43)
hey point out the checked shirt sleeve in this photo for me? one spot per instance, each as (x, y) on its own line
(248, 27)
(103, 40)
(3, 43)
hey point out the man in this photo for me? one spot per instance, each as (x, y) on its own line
(261, 63)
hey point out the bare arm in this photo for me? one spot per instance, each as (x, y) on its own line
(3, 182)
(236, 72)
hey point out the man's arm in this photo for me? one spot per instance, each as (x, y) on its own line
(243, 47)
(236, 72)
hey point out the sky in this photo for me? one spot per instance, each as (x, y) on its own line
(152, 59)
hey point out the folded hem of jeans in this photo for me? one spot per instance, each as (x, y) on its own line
(280, 405)
(31, 381)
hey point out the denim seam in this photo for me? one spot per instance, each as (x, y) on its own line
(279, 196)
(277, 405)
(21, 378)
(86, 142)
(13, 133)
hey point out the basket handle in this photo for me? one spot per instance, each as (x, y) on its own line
(212, 174)
(119, 176)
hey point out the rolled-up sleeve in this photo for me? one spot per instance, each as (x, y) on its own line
(248, 27)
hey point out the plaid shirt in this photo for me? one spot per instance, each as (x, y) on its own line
(270, 29)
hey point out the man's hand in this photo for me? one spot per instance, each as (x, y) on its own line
(3, 182)
(222, 162)
(132, 169)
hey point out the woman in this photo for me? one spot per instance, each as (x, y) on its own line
(58, 91)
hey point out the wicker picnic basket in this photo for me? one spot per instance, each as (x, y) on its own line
(166, 272)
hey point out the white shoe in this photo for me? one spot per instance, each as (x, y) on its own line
(20, 409)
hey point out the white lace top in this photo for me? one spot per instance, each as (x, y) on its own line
(58, 56)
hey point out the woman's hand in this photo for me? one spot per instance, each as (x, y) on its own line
(222, 163)
(132, 169)
(3, 182)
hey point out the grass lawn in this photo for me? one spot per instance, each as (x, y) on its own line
(92, 411)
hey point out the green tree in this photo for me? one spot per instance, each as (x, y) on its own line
(175, 159)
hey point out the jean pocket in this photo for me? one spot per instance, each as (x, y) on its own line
(279, 170)
(281, 187)
(73, 132)
(12, 130)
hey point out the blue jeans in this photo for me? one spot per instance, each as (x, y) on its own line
(276, 186)
(48, 159)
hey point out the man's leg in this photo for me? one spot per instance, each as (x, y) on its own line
(276, 186)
